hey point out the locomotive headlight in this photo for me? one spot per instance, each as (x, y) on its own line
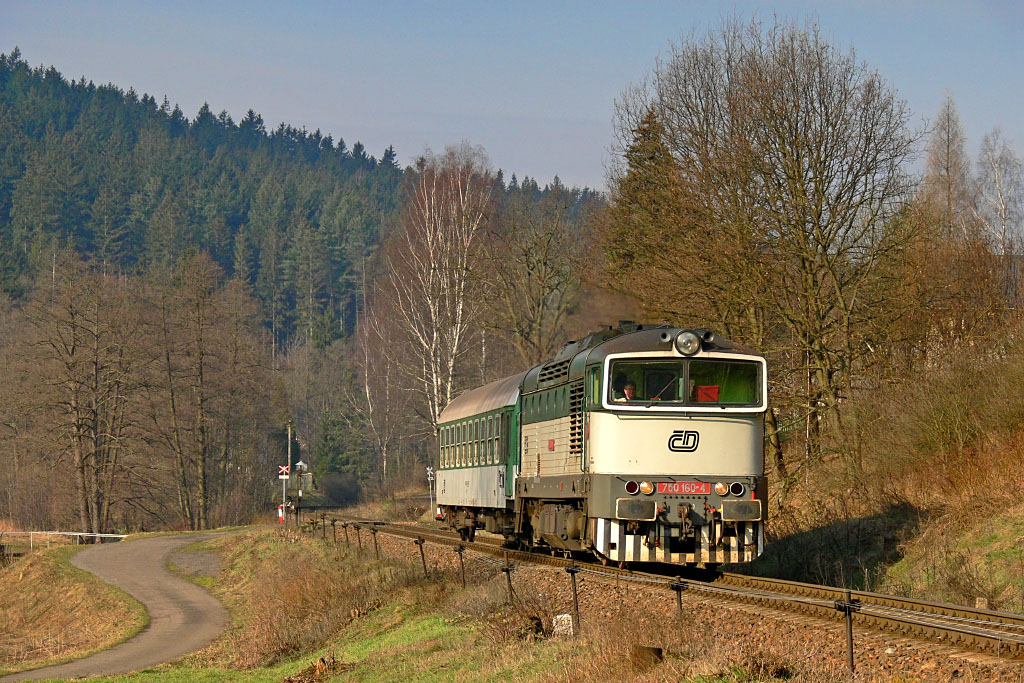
(646, 487)
(687, 343)
(721, 488)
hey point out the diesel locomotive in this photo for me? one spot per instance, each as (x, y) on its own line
(638, 443)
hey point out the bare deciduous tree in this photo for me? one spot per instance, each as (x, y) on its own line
(948, 175)
(789, 155)
(530, 270)
(85, 342)
(1000, 202)
(382, 401)
(428, 278)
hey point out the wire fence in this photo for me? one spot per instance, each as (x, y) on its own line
(996, 635)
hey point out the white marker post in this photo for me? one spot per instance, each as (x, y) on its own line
(282, 474)
(430, 489)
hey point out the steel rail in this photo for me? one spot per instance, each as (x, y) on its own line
(997, 633)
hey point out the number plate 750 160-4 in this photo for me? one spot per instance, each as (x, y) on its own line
(684, 487)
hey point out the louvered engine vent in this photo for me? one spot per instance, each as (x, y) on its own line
(553, 372)
(576, 418)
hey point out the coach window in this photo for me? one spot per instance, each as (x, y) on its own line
(492, 423)
(499, 422)
(498, 436)
(476, 442)
(480, 440)
(507, 436)
(481, 444)
(490, 439)
(486, 457)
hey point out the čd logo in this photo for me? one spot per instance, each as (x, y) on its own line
(683, 441)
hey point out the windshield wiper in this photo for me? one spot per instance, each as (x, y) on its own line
(658, 397)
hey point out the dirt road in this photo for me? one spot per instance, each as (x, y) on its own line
(183, 617)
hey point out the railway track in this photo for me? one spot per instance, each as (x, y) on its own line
(995, 633)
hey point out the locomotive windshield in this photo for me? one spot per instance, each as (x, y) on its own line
(686, 382)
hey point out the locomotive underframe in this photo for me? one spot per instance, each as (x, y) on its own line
(584, 513)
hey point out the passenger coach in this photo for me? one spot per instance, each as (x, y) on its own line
(638, 443)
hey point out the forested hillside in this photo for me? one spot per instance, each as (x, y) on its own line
(175, 290)
(131, 182)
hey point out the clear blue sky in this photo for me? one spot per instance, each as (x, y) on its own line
(533, 82)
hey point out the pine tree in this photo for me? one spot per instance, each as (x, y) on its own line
(646, 204)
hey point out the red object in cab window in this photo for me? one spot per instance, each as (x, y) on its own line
(706, 393)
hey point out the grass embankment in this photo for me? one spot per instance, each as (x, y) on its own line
(302, 605)
(407, 505)
(922, 497)
(53, 611)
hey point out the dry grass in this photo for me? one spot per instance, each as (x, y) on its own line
(403, 507)
(291, 594)
(631, 647)
(927, 457)
(54, 611)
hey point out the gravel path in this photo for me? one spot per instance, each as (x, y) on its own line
(183, 617)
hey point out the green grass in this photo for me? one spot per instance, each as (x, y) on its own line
(982, 559)
(399, 642)
(173, 674)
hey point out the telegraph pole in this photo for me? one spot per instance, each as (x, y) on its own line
(285, 475)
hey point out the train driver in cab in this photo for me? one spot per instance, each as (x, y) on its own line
(628, 391)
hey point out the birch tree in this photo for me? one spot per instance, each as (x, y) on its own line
(380, 402)
(428, 281)
(1000, 202)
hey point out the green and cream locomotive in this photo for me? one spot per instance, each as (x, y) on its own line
(642, 443)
